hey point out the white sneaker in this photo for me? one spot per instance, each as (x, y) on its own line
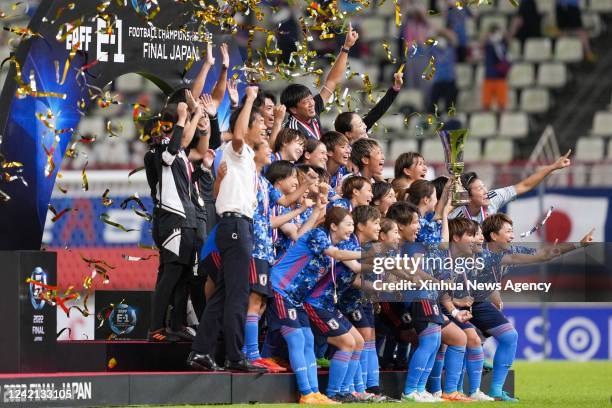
(437, 394)
(430, 397)
(415, 397)
(481, 396)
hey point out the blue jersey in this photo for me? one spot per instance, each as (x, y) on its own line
(430, 231)
(412, 249)
(335, 180)
(267, 197)
(280, 240)
(296, 274)
(338, 280)
(341, 202)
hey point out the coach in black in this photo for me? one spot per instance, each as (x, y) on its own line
(174, 219)
(236, 202)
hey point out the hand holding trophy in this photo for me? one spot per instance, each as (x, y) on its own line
(453, 142)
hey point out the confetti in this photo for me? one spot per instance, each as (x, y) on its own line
(111, 132)
(63, 330)
(85, 183)
(398, 14)
(104, 217)
(137, 258)
(131, 173)
(112, 363)
(390, 57)
(71, 55)
(430, 70)
(105, 200)
(539, 224)
(58, 215)
(452, 111)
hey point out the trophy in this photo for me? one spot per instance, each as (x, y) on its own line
(453, 142)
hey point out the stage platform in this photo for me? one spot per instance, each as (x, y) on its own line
(155, 373)
(87, 389)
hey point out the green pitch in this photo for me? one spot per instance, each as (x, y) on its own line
(540, 384)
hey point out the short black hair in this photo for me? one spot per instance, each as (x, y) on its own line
(379, 190)
(286, 136)
(304, 168)
(405, 161)
(364, 213)
(332, 139)
(178, 95)
(439, 183)
(236, 112)
(279, 170)
(268, 95)
(362, 148)
(293, 94)
(402, 212)
(343, 121)
(468, 178)
(351, 183)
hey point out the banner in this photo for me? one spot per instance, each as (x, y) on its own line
(576, 211)
(572, 332)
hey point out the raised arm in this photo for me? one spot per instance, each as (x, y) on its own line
(242, 123)
(536, 178)
(200, 80)
(385, 102)
(337, 71)
(310, 179)
(218, 92)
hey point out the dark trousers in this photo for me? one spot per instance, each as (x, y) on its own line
(226, 310)
(171, 277)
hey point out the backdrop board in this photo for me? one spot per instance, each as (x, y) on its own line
(28, 322)
(96, 45)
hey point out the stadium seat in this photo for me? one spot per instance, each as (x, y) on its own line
(521, 75)
(515, 50)
(600, 175)
(464, 74)
(472, 150)
(483, 124)
(513, 125)
(535, 100)
(92, 125)
(568, 50)
(392, 123)
(537, 50)
(590, 149)
(512, 100)
(411, 97)
(602, 124)
(609, 156)
(375, 27)
(552, 75)
(129, 83)
(469, 100)
(545, 6)
(432, 151)
(591, 21)
(479, 74)
(600, 6)
(399, 146)
(506, 7)
(499, 151)
(489, 20)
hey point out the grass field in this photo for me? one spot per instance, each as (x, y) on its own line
(540, 384)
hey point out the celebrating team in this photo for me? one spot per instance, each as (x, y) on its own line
(270, 228)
